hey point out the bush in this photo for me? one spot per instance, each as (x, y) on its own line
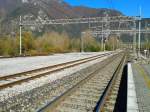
(53, 42)
(90, 43)
(49, 43)
(8, 46)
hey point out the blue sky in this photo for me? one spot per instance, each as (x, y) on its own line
(127, 7)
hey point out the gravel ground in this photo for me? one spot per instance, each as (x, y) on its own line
(30, 96)
(21, 64)
(142, 88)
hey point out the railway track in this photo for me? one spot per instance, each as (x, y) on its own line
(11, 80)
(107, 101)
(90, 93)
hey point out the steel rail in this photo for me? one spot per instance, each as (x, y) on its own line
(49, 70)
(4, 77)
(101, 103)
(50, 107)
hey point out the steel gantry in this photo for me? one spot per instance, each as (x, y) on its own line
(104, 29)
(76, 20)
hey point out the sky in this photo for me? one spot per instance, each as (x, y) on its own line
(127, 7)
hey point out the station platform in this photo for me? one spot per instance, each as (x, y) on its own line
(138, 98)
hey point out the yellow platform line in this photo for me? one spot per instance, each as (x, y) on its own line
(144, 74)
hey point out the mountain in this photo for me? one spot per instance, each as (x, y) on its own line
(7, 6)
(53, 8)
(11, 10)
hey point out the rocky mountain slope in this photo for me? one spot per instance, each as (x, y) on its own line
(10, 10)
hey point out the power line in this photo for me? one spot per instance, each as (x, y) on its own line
(105, 22)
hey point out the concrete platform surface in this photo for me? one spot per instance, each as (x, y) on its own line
(141, 75)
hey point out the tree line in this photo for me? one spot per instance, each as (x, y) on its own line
(49, 43)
